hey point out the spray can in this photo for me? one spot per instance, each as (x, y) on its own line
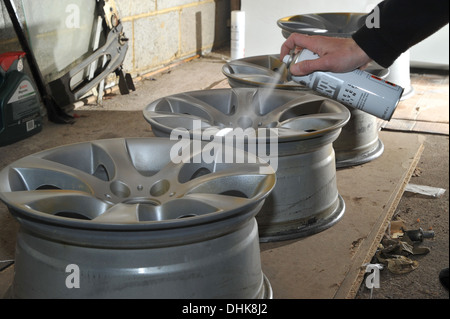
(357, 89)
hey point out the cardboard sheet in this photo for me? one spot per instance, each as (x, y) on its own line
(329, 264)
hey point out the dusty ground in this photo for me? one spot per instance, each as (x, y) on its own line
(430, 214)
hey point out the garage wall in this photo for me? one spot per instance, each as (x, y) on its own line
(263, 36)
(162, 31)
(159, 31)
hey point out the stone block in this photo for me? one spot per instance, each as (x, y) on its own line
(128, 63)
(130, 8)
(166, 4)
(156, 40)
(197, 28)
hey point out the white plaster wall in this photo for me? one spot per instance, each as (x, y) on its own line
(263, 36)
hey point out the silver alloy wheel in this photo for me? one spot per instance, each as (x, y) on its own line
(358, 142)
(333, 24)
(305, 199)
(136, 223)
(259, 71)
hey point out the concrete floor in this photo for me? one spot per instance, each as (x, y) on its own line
(205, 73)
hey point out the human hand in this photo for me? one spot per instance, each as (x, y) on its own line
(337, 55)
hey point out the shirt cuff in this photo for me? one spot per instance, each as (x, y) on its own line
(373, 44)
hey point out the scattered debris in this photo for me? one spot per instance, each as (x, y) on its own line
(396, 228)
(109, 96)
(417, 172)
(435, 192)
(401, 264)
(419, 234)
(399, 244)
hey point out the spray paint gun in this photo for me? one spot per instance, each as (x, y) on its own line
(357, 89)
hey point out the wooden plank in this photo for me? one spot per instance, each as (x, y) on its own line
(367, 249)
(328, 265)
(429, 102)
(427, 110)
(414, 126)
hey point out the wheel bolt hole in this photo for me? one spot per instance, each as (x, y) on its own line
(120, 189)
(160, 188)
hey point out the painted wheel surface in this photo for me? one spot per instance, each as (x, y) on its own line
(124, 212)
(305, 199)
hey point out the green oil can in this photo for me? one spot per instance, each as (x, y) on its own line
(20, 109)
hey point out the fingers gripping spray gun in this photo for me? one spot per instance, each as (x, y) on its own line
(357, 89)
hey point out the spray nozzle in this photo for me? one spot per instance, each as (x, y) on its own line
(288, 58)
